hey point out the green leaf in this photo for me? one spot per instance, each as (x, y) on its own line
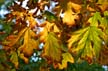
(94, 19)
(88, 44)
(104, 25)
(52, 48)
(50, 16)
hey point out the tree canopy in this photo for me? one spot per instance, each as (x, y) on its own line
(54, 35)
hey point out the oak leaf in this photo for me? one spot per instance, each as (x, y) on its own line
(67, 57)
(29, 43)
(70, 15)
(95, 19)
(86, 43)
(52, 48)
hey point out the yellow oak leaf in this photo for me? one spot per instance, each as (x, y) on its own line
(75, 6)
(29, 43)
(67, 57)
(69, 18)
(69, 15)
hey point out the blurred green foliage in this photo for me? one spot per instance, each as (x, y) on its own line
(6, 28)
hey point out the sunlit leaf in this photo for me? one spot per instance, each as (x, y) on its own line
(86, 42)
(69, 15)
(29, 43)
(67, 57)
(94, 21)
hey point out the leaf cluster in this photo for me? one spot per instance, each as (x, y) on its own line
(59, 37)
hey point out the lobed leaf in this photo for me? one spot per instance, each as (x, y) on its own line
(52, 48)
(29, 43)
(88, 44)
(67, 57)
